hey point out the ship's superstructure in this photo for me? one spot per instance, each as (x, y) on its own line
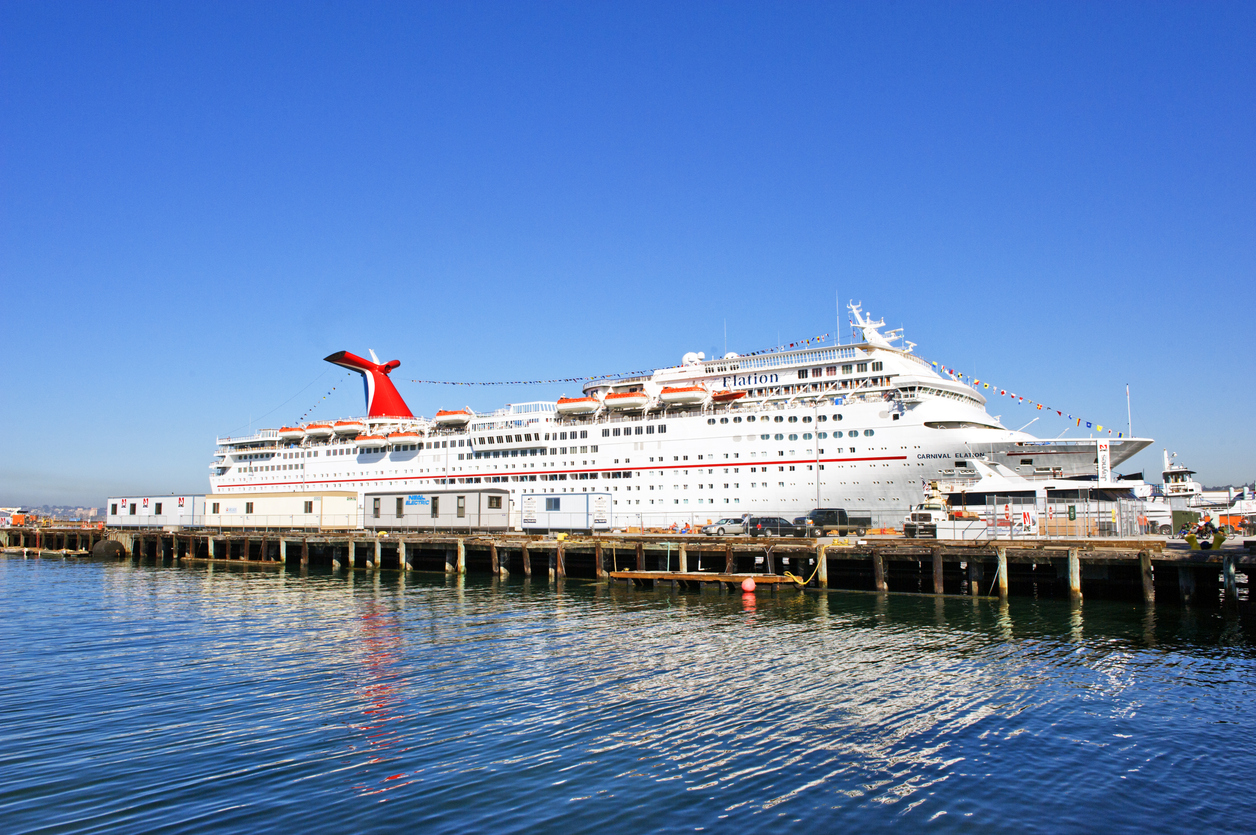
(863, 426)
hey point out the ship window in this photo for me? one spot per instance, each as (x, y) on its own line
(710, 421)
(863, 366)
(793, 437)
(662, 428)
(815, 372)
(802, 374)
(737, 420)
(778, 419)
(877, 366)
(584, 434)
(639, 430)
(830, 371)
(779, 436)
(847, 369)
(750, 419)
(724, 420)
(807, 419)
(1023, 461)
(822, 435)
(793, 418)
(606, 433)
(649, 430)
(837, 417)
(806, 436)
(615, 431)
(837, 434)
(868, 433)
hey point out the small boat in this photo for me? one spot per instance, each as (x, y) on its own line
(457, 418)
(399, 438)
(682, 395)
(727, 396)
(348, 427)
(626, 400)
(291, 433)
(318, 430)
(370, 441)
(577, 405)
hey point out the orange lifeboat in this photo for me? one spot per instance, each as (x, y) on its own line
(370, 441)
(348, 427)
(577, 405)
(291, 433)
(318, 430)
(727, 396)
(626, 400)
(682, 395)
(399, 438)
(457, 418)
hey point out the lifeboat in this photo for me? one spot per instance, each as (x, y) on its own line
(459, 418)
(727, 396)
(577, 405)
(318, 430)
(404, 438)
(348, 427)
(370, 441)
(626, 400)
(682, 395)
(291, 433)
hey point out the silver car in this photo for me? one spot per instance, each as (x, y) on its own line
(726, 527)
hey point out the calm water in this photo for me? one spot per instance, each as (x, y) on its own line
(137, 698)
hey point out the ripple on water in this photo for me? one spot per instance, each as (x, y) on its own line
(192, 699)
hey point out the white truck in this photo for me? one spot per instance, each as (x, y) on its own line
(935, 519)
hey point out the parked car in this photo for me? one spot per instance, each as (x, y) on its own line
(732, 526)
(832, 521)
(773, 526)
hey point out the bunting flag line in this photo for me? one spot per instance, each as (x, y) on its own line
(318, 402)
(1016, 398)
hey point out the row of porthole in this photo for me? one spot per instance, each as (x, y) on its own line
(806, 436)
(777, 418)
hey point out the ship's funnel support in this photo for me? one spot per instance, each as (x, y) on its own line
(382, 397)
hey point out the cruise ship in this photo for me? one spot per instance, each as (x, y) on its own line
(864, 426)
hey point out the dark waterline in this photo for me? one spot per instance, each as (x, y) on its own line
(142, 698)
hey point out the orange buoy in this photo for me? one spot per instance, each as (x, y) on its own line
(747, 585)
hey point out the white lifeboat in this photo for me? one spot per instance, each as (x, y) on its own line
(291, 433)
(404, 438)
(682, 395)
(577, 405)
(318, 430)
(459, 418)
(626, 400)
(348, 427)
(370, 441)
(727, 396)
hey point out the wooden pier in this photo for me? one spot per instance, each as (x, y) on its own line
(1124, 569)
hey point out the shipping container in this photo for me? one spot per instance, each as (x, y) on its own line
(567, 512)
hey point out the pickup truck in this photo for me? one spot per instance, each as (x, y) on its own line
(833, 521)
(934, 519)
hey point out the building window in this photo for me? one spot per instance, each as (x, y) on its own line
(494, 502)
(113, 509)
(462, 507)
(375, 508)
(551, 504)
(157, 508)
(401, 506)
(435, 506)
(309, 507)
(215, 510)
(248, 507)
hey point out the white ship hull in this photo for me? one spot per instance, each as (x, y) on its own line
(864, 427)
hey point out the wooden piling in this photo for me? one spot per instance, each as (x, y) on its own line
(494, 565)
(527, 561)
(730, 562)
(682, 559)
(1186, 584)
(283, 550)
(1002, 575)
(352, 552)
(641, 556)
(305, 552)
(822, 565)
(976, 573)
(1231, 582)
(560, 559)
(878, 572)
(1074, 574)
(403, 556)
(379, 555)
(1149, 585)
(462, 557)
(937, 571)
(598, 568)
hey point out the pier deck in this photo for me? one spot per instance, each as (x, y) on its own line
(1147, 568)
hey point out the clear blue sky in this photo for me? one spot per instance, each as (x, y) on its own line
(200, 201)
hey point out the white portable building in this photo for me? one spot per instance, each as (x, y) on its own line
(154, 511)
(565, 512)
(469, 509)
(324, 510)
